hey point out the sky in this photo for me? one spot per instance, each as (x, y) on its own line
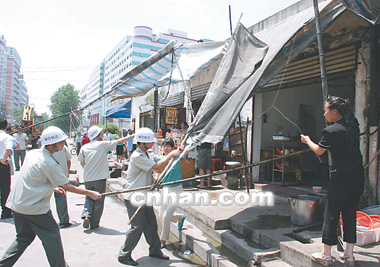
(62, 41)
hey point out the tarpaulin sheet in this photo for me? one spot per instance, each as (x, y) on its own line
(120, 111)
(367, 9)
(224, 102)
(155, 71)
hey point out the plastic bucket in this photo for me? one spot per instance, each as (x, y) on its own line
(305, 210)
(372, 210)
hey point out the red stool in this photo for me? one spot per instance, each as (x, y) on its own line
(217, 164)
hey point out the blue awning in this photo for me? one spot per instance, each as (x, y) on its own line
(120, 111)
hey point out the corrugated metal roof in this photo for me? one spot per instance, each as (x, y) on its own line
(338, 60)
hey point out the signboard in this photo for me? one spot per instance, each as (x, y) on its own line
(171, 115)
(38, 128)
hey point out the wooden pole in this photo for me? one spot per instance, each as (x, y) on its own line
(240, 129)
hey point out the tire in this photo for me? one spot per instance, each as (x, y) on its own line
(73, 151)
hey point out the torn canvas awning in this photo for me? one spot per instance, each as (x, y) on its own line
(120, 111)
(285, 40)
(367, 9)
(173, 61)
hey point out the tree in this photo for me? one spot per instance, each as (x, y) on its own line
(46, 117)
(64, 100)
(112, 127)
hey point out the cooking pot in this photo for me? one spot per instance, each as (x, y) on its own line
(305, 210)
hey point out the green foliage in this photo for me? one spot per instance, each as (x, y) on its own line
(46, 117)
(112, 127)
(64, 100)
(298, 174)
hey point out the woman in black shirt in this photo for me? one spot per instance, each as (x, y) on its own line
(347, 177)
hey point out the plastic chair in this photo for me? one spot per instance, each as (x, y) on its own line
(217, 164)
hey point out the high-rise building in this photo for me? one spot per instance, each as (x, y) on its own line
(13, 89)
(24, 91)
(3, 69)
(92, 90)
(129, 52)
(12, 82)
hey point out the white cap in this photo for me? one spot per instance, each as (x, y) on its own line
(94, 131)
(52, 135)
(145, 135)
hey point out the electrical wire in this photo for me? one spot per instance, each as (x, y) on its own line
(278, 90)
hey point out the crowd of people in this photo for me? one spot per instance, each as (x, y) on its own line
(45, 171)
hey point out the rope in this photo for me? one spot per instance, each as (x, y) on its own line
(170, 79)
(187, 89)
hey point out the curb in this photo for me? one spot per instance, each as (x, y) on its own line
(192, 237)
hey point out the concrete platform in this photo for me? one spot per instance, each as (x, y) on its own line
(253, 235)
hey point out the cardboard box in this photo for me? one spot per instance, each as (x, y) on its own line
(187, 168)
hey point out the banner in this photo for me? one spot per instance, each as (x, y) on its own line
(171, 115)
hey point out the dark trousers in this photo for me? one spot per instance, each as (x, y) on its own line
(79, 145)
(27, 227)
(343, 194)
(19, 155)
(61, 206)
(5, 187)
(145, 222)
(93, 209)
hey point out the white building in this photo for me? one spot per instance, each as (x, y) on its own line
(13, 90)
(24, 91)
(92, 90)
(129, 52)
(13, 87)
(3, 69)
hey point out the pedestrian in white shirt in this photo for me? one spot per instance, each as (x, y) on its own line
(30, 200)
(20, 151)
(93, 158)
(79, 142)
(6, 145)
(106, 136)
(12, 167)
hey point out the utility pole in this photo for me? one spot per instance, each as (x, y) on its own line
(155, 107)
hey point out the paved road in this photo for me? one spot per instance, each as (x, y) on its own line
(82, 247)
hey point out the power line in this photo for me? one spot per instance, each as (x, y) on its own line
(48, 69)
(54, 80)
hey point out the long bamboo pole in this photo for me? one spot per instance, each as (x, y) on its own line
(209, 175)
(325, 89)
(157, 183)
(322, 64)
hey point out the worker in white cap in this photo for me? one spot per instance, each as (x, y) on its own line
(141, 165)
(29, 200)
(93, 158)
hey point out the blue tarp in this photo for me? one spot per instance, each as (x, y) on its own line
(120, 111)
